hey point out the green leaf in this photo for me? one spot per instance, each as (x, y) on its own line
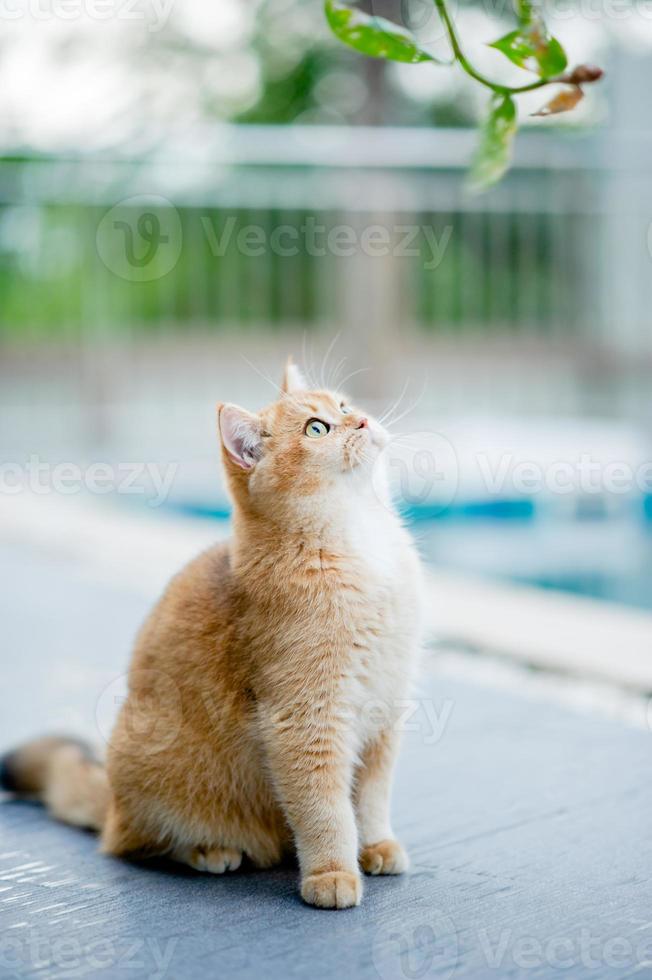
(552, 58)
(373, 36)
(516, 47)
(531, 49)
(494, 152)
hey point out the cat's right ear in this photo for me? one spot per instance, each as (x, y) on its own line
(240, 432)
(293, 379)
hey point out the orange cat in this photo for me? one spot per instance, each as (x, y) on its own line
(265, 686)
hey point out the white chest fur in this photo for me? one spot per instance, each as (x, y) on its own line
(388, 621)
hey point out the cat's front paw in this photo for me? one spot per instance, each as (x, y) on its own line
(332, 889)
(385, 858)
(215, 860)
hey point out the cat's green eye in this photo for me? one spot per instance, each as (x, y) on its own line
(345, 410)
(316, 429)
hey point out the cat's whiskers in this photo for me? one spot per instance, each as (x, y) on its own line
(324, 361)
(333, 382)
(409, 409)
(394, 407)
(281, 394)
(352, 375)
(312, 376)
(261, 374)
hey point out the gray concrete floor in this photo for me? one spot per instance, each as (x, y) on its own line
(528, 827)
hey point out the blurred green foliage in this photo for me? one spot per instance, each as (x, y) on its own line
(53, 283)
(287, 95)
(495, 273)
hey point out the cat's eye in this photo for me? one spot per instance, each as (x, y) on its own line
(345, 410)
(316, 429)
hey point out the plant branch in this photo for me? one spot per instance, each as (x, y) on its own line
(464, 63)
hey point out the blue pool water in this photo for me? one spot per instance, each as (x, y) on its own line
(604, 559)
(587, 551)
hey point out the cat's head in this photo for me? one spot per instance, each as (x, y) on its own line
(305, 442)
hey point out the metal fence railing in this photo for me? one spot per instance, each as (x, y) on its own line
(264, 230)
(264, 234)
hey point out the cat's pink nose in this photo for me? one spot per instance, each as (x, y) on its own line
(363, 424)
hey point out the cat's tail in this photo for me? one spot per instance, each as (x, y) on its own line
(63, 774)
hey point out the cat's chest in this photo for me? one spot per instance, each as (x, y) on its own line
(383, 552)
(352, 599)
(374, 541)
(378, 665)
(384, 612)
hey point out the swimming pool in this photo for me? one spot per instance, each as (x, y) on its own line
(606, 559)
(586, 550)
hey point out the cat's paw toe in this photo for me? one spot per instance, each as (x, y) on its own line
(385, 858)
(332, 889)
(215, 860)
(221, 859)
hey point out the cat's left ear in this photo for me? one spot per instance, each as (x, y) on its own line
(240, 432)
(293, 379)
